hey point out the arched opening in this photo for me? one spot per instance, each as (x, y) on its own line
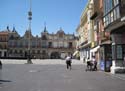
(55, 55)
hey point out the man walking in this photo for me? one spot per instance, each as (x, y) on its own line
(68, 62)
(94, 63)
(0, 64)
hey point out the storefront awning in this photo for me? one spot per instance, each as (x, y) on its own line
(106, 42)
(85, 45)
(75, 53)
(95, 49)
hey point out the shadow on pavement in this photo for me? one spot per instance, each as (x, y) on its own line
(5, 81)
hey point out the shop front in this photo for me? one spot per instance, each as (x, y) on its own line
(85, 51)
(3, 53)
(118, 51)
(105, 57)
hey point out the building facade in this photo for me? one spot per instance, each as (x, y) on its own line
(85, 32)
(101, 33)
(4, 36)
(48, 45)
(102, 42)
(114, 23)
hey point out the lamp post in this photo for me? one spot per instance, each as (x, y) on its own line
(29, 44)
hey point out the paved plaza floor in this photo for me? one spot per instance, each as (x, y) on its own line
(52, 75)
(40, 61)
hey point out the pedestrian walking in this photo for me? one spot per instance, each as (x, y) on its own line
(94, 63)
(69, 62)
(0, 64)
(89, 65)
(84, 59)
(124, 61)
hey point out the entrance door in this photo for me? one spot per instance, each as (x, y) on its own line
(55, 55)
(5, 54)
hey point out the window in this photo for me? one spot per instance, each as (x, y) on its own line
(55, 44)
(33, 43)
(10, 43)
(60, 44)
(26, 43)
(111, 16)
(44, 44)
(115, 17)
(117, 12)
(10, 51)
(104, 21)
(70, 45)
(50, 44)
(70, 37)
(111, 11)
(21, 51)
(44, 37)
(14, 44)
(15, 52)
(33, 51)
(109, 19)
(38, 51)
(43, 52)
(18, 44)
(65, 44)
(116, 2)
(119, 51)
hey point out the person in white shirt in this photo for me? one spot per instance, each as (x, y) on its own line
(68, 62)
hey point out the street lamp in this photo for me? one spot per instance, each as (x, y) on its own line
(29, 47)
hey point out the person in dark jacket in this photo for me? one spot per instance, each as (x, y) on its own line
(0, 64)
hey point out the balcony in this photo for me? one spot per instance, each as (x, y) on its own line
(94, 15)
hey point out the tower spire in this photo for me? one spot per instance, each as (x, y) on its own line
(45, 30)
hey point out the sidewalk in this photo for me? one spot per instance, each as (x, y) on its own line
(120, 76)
(117, 75)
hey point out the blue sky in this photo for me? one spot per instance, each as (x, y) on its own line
(56, 13)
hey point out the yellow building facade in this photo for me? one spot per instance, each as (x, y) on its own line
(85, 32)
